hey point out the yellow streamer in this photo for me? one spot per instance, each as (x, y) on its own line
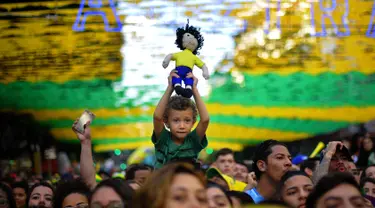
(139, 130)
(110, 147)
(344, 113)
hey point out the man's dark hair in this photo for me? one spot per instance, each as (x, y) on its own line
(180, 103)
(119, 186)
(289, 175)
(192, 30)
(309, 163)
(365, 180)
(21, 184)
(262, 151)
(65, 188)
(222, 152)
(327, 183)
(244, 164)
(130, 172)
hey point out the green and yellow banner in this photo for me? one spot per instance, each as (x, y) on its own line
(289, 75)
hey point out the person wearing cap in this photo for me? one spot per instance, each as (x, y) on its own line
(335, 158)
(227, 182)
(224, 161)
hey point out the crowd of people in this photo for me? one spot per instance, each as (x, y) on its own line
(342, 176)
(333, 180)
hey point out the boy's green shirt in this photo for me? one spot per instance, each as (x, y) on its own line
(166, 150)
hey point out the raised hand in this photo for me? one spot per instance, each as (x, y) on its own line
(332, 147)
(172, 74)
(191, 75)
(251, 181)
(86, 136)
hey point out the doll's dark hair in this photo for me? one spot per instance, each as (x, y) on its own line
(180, 103)
(192, 30)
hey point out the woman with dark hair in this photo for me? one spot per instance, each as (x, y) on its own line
(72, 194)
(217, 198)
(111, 193)
(41, 195)
(6, 197)
(294, 188)
(20, 191)
(173, 185)
(336, 190)
(365, 150)
(355, 146)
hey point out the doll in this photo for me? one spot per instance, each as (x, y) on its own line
(189, 40)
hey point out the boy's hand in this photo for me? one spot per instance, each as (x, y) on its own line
(86, 136)
(191, 75)
(172, 74)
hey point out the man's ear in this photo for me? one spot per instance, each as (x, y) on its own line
(309, 172)
(262, 166)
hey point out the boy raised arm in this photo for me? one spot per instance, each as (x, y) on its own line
(203, 113)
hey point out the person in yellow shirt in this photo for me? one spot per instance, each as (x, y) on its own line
(189, 40)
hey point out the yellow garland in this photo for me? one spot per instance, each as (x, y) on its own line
(344, 113)
(110, 147)
(141, 130)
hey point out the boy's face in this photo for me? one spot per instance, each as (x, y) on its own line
(180, 122)
(226, 164)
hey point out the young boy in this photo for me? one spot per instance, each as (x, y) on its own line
(179, 115)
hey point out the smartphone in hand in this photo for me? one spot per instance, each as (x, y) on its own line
(85, 117)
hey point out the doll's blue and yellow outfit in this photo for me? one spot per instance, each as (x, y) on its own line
(185, 61)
